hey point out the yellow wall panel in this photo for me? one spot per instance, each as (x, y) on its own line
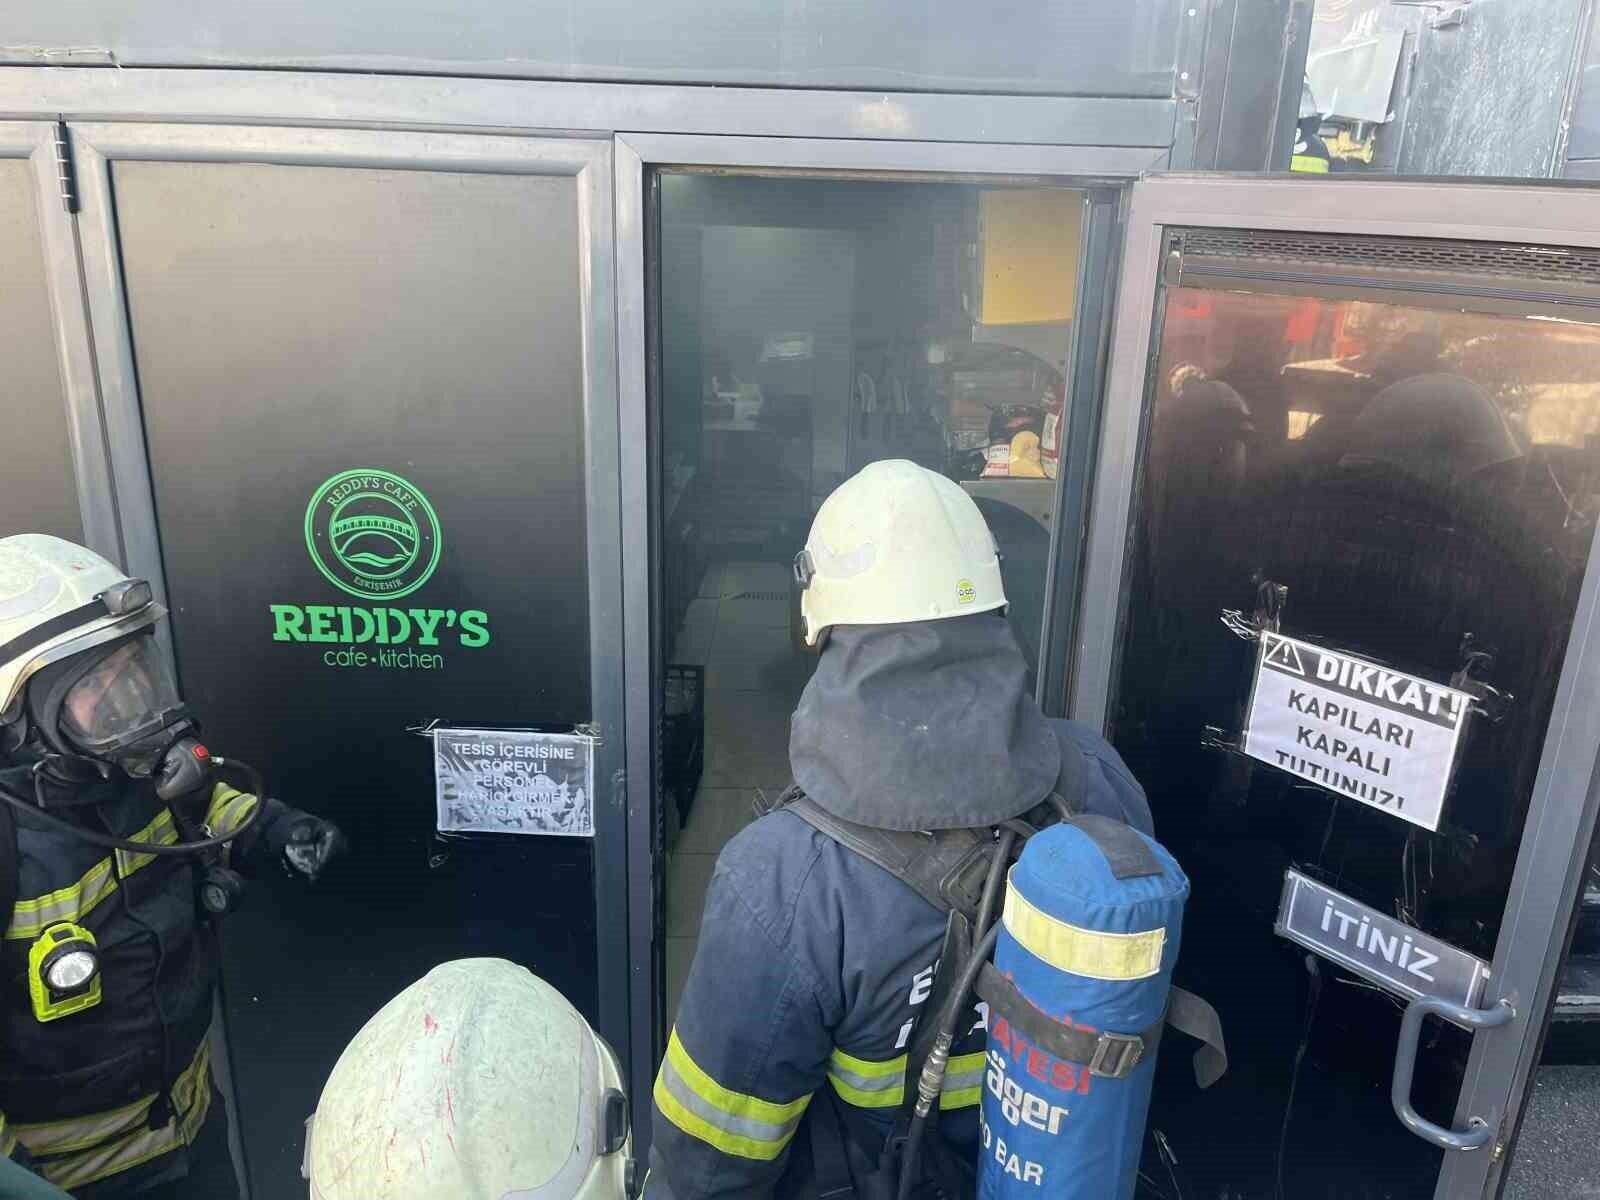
(1028, 255)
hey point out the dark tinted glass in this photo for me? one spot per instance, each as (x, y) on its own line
(1424, 483)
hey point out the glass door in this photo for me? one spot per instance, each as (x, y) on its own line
(1337, 623)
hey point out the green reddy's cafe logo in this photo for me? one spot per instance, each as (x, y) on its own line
(373, 535)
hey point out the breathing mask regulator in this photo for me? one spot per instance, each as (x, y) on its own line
(116, 710)
(85, 695)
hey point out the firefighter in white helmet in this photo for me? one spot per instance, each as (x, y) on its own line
(787, 1069)
(478, 1082)
(118, 847)
(896, 544)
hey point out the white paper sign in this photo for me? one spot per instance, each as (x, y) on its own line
(1376, 735)
(514, 781)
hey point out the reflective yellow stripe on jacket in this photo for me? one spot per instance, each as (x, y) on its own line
(81, 1150)
(729, 1121)
(230, 808)
(1309, 163)
(868, 1084)
(31, 917)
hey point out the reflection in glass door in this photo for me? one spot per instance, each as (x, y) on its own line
(1422, 486)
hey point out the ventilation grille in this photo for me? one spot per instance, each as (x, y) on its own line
(1575, 266)
(759, 596)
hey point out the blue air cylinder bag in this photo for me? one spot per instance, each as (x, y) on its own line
(1097, 953)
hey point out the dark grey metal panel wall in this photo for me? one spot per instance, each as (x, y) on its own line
(1054, 46)
(289, 323)
(38, 491)
(1489, 95)
(1482, 93)
(1243, 118)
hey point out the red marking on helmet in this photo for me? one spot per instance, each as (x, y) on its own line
(200, 751)
(428, 1023)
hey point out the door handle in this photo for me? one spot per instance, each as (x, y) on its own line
(1477, 1133)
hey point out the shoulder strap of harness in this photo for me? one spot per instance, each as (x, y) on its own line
(946, 868)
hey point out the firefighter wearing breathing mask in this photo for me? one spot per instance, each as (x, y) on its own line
(120, 841)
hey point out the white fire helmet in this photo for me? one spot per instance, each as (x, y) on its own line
(478, 1082)
(896, 543)
(57, 600)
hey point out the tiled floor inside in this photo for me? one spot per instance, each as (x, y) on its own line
(738, 628)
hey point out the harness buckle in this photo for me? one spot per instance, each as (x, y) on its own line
(1116, 1055)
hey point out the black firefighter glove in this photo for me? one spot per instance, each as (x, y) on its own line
(309, 844)
(298, 842)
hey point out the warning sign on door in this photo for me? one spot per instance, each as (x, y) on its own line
(514, 781)
(1377, 735)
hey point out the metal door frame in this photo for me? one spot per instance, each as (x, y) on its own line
(1107, 169)
(98, 145)
(487, 105)
(1566, 794)
(36, 141)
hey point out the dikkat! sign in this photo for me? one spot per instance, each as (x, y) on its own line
(1379, 736)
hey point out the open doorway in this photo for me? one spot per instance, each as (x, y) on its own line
(808, 327)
